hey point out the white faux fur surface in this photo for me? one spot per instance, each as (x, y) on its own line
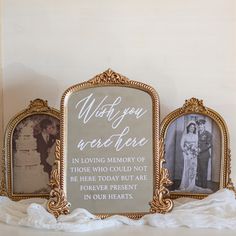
(217, 211)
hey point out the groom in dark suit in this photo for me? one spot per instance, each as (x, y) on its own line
(204, 145)
(45, 140)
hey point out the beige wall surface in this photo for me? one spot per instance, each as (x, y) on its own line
(183, 48)
(1, 95)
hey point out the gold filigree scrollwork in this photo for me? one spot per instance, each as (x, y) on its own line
(230, 184)
(57, 204)
(38, 105)
(193, 105)
(109, 76)
(161, 203)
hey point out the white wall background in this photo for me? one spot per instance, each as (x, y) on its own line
(1, 90)
(183, 48)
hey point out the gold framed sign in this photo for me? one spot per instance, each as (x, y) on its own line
(29, 151)
(197, 150)
(109, 161)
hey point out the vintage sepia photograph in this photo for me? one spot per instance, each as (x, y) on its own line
(193, 154)
(33, 148)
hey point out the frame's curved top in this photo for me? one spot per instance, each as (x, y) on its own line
(110, 78)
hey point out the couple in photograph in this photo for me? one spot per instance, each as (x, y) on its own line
(196, 145)
(33, 142)
(46, 144)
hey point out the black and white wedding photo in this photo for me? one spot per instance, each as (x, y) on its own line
(193, 154)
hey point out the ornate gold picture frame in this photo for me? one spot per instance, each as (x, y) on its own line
(95, 168)
(29, 151)
(197, 150)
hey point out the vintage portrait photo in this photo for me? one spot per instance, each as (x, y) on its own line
(193, 154)
(33, 148)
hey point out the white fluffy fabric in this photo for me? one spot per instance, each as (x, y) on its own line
(217, 211)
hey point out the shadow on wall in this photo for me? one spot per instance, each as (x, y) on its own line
(22, 84)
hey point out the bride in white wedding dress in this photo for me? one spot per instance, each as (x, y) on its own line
(189, 145)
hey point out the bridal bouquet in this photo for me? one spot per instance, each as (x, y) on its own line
(191, 149)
